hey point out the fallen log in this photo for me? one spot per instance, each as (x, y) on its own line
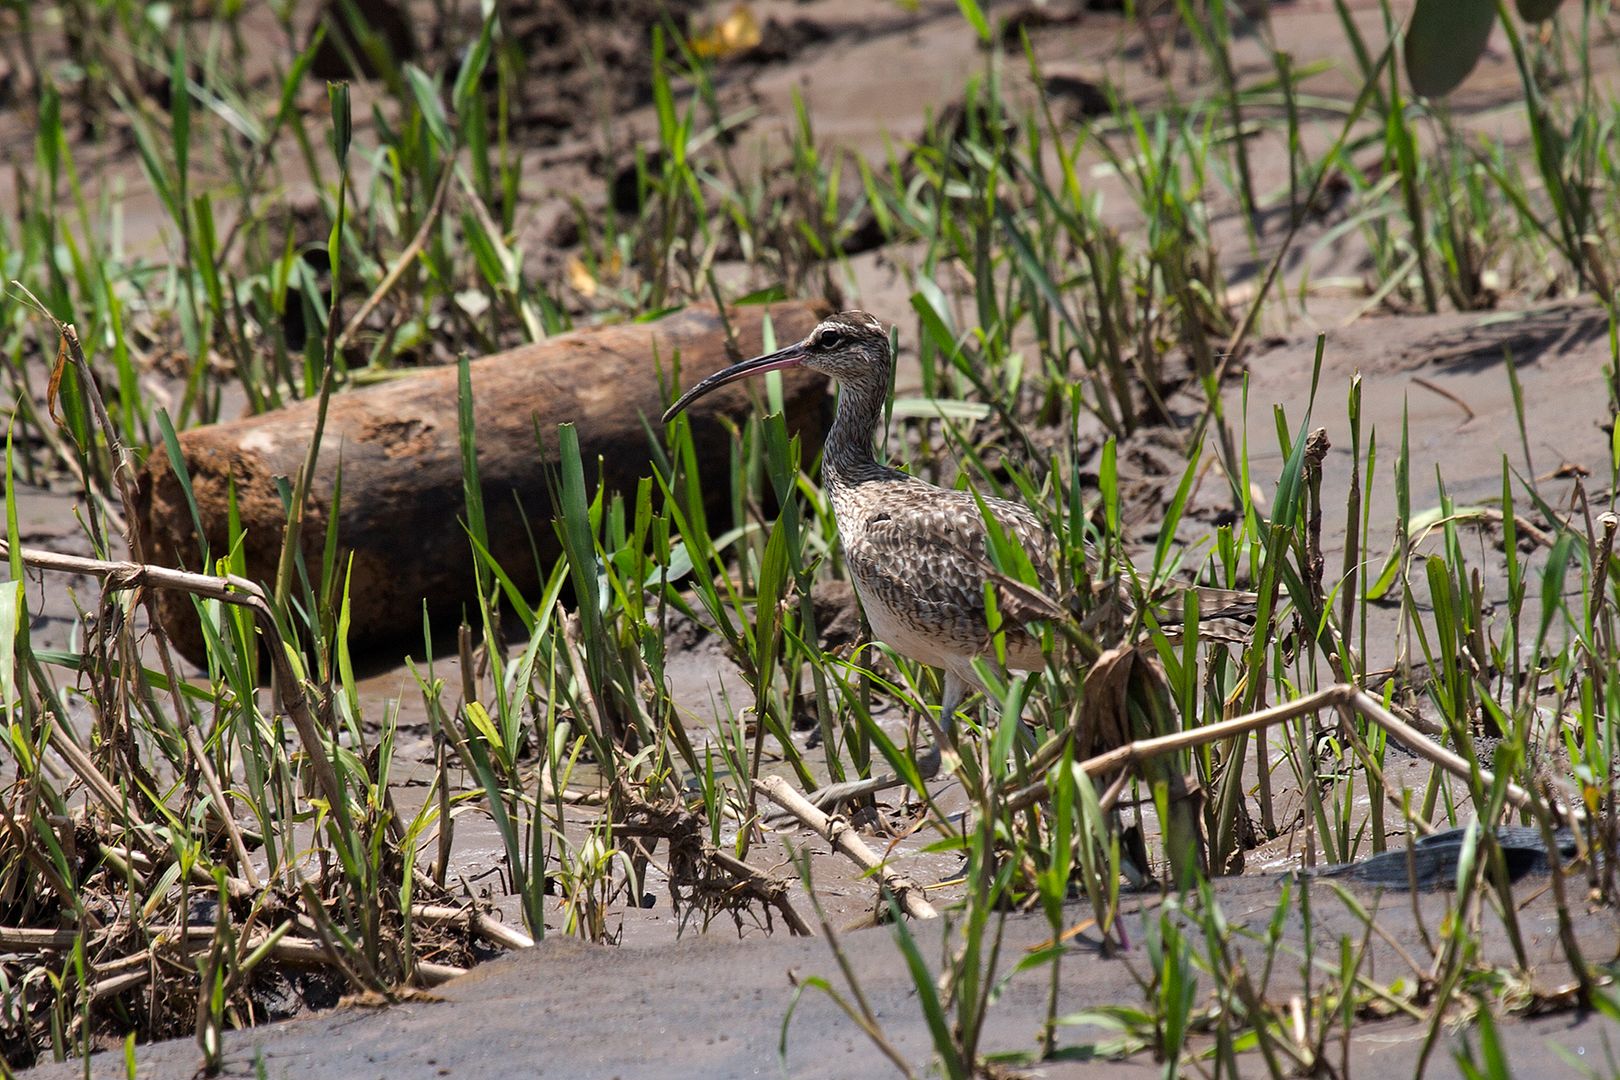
(402, 507)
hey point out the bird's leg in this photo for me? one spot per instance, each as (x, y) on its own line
(943, 734)
(942, 731)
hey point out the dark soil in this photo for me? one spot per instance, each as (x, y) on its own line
(713, 1006)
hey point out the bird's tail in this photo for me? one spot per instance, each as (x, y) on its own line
(1223, 614)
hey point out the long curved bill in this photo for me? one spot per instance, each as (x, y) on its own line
(792, 356)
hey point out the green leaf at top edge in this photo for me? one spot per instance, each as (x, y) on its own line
(1534, 11)
(1444, 41)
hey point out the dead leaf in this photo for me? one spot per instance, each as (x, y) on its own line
(587, 284)
(56, 377)
(580, 278)
(736, 33)
(1121, 676)
(1104, 714)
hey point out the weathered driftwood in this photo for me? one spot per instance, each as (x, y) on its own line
(842, 836)
(402, 507)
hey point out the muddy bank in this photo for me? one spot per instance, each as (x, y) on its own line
(713, 1006)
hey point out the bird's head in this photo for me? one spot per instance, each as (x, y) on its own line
(851, 347)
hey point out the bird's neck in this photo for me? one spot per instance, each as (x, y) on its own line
(848, 458)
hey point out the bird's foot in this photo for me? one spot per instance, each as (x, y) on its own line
(832, 797)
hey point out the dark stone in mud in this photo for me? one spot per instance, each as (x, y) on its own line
(584, 63)
(838, 616)
(283, 992)
(624, 191)
(384, 24)
(1431, 862)
(1080, 97)
(1033, 17)
(563, 232)
(779, 40)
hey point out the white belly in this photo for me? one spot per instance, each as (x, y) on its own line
(903, 637)
(900, 635)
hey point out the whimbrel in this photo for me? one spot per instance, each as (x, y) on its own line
(916, 552)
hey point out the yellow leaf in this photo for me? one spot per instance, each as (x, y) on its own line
(478, 716)
(736, 33)
(580, 277)
(56, 379)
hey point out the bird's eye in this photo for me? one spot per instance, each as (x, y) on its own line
(828, 339)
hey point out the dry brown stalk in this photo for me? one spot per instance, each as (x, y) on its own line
(77, 760)
(228, 589)
(431, 974)
(138, 573)
(28, 939)
(762, 885)
(1521, 523)
(21, 839)
(684, 833)
(576, 663)
(70, 350)
(491, 930)
(304, 952)
(117, 984)
(314, 917)
(838, 832)
(244, 861)
(1436, 388)
(1342, 695)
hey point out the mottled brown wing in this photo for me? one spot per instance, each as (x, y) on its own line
(929, 556)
